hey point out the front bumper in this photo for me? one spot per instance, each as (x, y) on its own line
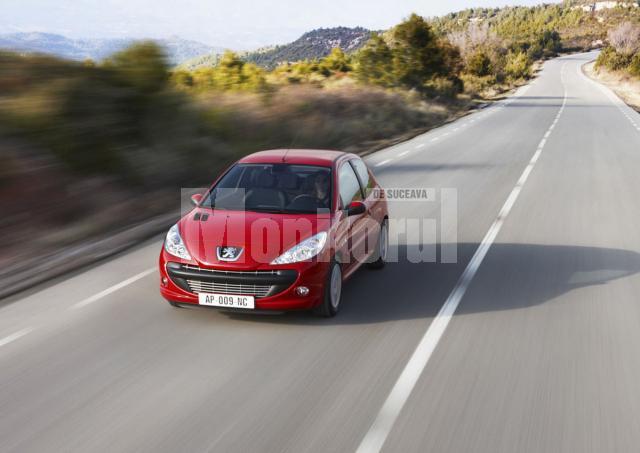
(273, 288)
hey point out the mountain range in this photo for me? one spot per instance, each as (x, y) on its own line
(314, 44)
(177, 49)
(191, 54)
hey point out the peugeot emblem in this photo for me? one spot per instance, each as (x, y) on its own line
(229, 253)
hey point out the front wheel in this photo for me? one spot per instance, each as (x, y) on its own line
(332, 293)
(382, 247)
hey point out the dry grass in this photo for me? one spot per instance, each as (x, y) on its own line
(625, 86)
(338, 117)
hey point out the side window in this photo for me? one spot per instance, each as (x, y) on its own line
(348, 185)
(363, 174)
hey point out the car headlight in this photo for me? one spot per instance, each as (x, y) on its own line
(305, 250)
(174, 245)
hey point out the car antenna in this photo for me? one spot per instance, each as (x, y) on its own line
(284, 156)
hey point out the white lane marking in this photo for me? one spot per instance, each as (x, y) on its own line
(613, 97)
(421, 145)
(403, 153)
(114, 288)
(376, 436)
(14, 336)
(380, 164)
(434, 139)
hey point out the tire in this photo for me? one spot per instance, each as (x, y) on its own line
(173, 304)
(382, 247)
(330, 304)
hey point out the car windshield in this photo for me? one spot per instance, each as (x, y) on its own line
(277, 188)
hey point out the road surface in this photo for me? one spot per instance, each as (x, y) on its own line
(528, 343)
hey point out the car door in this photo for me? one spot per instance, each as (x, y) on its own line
(352, 239)
(374, 214)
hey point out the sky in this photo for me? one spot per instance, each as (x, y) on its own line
(235, 24)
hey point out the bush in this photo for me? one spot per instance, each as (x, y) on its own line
(478, 64)
(443, 87)
(142, 66)
(517, 65)
(634, 66)
(612, 60)
(374, 62)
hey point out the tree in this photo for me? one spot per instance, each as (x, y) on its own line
(375, 62)
(228, 74)
(142, 65)
(336, 61)
(417, 55)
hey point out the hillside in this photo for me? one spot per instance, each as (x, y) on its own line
(312, 45)
(580, 24)
(177, 49)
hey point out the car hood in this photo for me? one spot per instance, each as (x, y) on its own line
(262, 236)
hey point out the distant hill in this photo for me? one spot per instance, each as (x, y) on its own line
(178, 49)
(314, 44)
(201, 61)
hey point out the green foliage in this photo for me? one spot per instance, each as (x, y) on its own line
(417, 55)
(230, 74)
(336, 61)
(143, 66)
(413, 59)
(182, 78)
(105, 120)
(612, 60)
(375, 63)
(478, 64)
(634, 66)
(518, 65)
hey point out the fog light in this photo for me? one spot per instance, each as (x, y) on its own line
(164, 281)
(302, 290)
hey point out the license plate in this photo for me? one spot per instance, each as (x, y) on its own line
(226, 300)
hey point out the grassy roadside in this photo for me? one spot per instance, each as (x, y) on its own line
(624, 85)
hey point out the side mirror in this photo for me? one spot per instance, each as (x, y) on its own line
(196, 199)
(356, 208)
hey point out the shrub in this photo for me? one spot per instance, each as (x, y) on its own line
(478, 64)
(625, 38)
(142, 66)
(517, 65)
(634, 66)
(612, 60)
(443, 87)
(374, 62)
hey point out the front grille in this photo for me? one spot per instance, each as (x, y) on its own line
(189, 267)
(201, 286)
(262, 283)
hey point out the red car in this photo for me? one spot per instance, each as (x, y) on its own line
(278, 230)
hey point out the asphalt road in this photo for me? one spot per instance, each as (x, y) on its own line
(537, 353)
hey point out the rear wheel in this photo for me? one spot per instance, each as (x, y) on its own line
(382, 247)
(332, 293)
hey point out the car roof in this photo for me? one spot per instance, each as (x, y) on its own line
(321, 157)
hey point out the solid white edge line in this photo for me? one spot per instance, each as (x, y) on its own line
(114, 288)
(613, 97)
(376, 436)
(14, 336)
